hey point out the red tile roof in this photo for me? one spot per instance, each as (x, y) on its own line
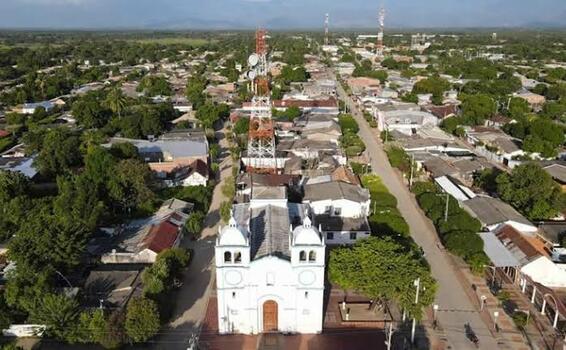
(305, 103)
(4, 133)
(200, 167)
(161, 237)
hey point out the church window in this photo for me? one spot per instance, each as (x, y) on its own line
(233, 295)
(353, 235)
(306, 295)
(330, 236)
(237, 257)
(312, 256)
(227, 257)
(270, 279)
(302, 256)
(337, 211)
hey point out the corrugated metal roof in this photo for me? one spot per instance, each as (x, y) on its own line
(499, 255)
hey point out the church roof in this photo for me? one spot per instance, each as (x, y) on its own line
(269, 227)
(270, 231)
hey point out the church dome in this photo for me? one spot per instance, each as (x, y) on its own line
(306, 234)
(232, 235)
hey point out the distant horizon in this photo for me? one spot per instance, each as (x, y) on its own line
(278, 14)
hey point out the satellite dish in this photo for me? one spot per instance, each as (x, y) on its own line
(251, 74)
(253, 60)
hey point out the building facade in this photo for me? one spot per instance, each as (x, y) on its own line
(270, 262)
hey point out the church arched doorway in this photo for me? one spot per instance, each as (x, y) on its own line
(270, 316)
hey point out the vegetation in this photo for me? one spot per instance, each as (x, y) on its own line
(532, 191)
(457, 230)
(384, 270)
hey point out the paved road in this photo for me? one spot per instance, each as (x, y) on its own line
(192, 297)
(455, 308)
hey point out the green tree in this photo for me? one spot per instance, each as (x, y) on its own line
(130, 184)
(464, 244)
(195, 222)
(142, 319)
(59, 313)
(532, 191)
(116, 101)
(383, 269)
(59, 152)
(12, 185)
(477, 108)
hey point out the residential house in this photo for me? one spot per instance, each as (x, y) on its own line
(493, 212)
(112, 286)
(341, 208)
(29, 108)
(405, 121)
(558, 173)
(195, 174)
(364, 86)
(143, 239)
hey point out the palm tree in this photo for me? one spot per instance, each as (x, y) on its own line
(41, 82)
(116, 101)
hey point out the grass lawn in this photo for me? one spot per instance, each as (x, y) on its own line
(373, 183)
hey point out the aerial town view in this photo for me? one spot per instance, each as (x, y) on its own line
(283, 175)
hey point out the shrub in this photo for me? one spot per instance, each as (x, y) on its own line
(384, 199)
(464, 244)
(142, 319)
(383, 223)
(348, 124)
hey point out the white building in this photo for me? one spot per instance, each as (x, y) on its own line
(270, 267)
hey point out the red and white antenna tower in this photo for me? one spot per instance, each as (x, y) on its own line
(261, 136)
(326, 23)
(381, 19)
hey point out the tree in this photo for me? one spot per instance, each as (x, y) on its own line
(142, 319)
(518, 108)
(464, 244)
(383, 269)
(130, 184)
(433, 85)
(89, 110)
(12, 184)
(242, 126)
(225, 210)
(116, 100)
(348, 124)
(477, 108)
(59, 152)
(532, 191)
(59, 313)
(195, 222)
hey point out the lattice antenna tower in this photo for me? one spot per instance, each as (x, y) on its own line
(381, 21)
(326, 25)
(261, 139)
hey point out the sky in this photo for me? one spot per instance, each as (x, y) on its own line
(277, 14)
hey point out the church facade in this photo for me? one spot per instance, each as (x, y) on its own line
(270, 262)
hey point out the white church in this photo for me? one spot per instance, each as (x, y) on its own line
(270, 267)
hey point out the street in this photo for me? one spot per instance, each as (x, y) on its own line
(192, 298)
(455, 308)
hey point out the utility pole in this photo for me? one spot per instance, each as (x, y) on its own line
(412, 167)
(446, 209)
(417, 284)
(389, 336)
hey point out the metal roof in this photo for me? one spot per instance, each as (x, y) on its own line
(499, 255)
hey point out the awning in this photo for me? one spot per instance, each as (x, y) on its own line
(499, 255)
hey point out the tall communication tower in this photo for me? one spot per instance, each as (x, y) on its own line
(381, 19)
(326, 23)
(261, 136)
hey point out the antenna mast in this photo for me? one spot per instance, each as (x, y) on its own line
(326, 23)
(381, 20)
(261, 138)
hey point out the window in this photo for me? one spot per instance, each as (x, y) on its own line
(233, 295)
(237, 257)
(312, 256)
(302, 256)
(306, 295)
(227, 257)
(270, 279)
(330, 236)
(353, 235)
(327, 209)
(337, 211)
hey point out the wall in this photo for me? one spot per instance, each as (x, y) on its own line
(349, 209)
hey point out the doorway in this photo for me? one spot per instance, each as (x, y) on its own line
(270, 316)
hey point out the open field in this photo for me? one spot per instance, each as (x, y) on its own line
(175, 41)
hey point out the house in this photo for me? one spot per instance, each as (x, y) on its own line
(534, 100)
(442, 112)
(270, 262)
(497, 121)
(143, 239)
(558, 173)
(313, 106)
(112, 286)
(168, 153)
(492, 213)
(29, 108)
(337, 198)
(494, 144)
(21, 164)
(405, 121)
(364, 86)
(195, 174)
